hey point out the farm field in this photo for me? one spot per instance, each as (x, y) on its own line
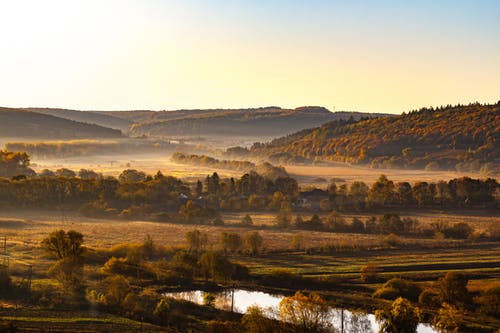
(423, 257)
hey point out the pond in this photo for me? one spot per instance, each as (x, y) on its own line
(243, 299)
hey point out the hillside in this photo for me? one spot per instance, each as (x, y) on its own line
(452, 137)
(89, 117)
(17, 123)
(269, 121)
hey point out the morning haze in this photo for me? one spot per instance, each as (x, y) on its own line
(236, 166)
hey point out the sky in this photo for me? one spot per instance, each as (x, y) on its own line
(371, 56)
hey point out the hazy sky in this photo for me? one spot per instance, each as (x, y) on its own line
(376, 56)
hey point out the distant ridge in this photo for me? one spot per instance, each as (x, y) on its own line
(267, 121)
(89, 117)
(19, 123)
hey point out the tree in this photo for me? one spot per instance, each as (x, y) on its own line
(67, 173)
(453, 289)
(357, 225)
(162, 311)
(256, 321)
(247, 220)
(336, 222)
(88, 174)
(69, 272)
(369, 273)
(282, 220)
(402, 317)
(131, 176)
(117, 288)
(287, 185)
(216, 266)
(67, 248)
(14, 163)
(381, 193)
(63, 244)
(297, 241)
(358, 193)
(449, 319)
(199, 188)
(231, 242)
(308, 313)
(254, 242)
(397, 287)
(196, 240)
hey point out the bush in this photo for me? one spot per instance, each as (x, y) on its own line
(369, 273)
(429, 298)
(396, 287)
(489, 301)
(459, 231)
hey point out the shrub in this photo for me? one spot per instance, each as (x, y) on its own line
(369, 273)
(459, 230)
(489, 301)
(398, 288)
(429, 298)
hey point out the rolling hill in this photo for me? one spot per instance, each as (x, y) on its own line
(89, 117)
(268, 121)
(453, 137)
(18, 123)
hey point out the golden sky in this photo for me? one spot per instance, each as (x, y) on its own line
(373, 56)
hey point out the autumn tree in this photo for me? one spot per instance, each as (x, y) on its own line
(196, 240)
(231, 242)
(453, 289)
(67, 248)
(247, 220)
(254, 242)
(401, 317)
(309, 313)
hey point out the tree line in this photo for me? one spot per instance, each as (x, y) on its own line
(135, 194)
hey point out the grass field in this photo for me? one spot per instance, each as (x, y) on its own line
(339, 257)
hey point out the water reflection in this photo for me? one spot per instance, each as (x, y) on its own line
(241, 300)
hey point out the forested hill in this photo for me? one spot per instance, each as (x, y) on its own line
(269, 121)
(89, 117)
(454, 137)
(17, 123)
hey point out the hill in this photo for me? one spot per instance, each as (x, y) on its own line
(18, 123)
(452, 137)
(268, 121)
(89, 117)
